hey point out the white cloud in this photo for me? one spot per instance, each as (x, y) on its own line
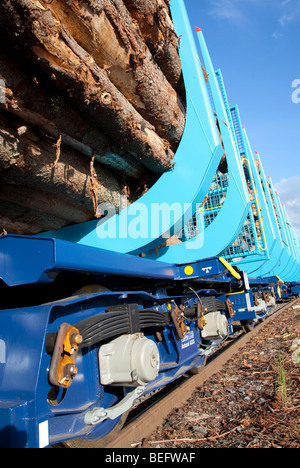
(226, 9)
(238, 11)
(286, 18)
(277, 35)
(290, 13)
(289, 193)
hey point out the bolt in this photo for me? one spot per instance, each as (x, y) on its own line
(70, 370)
(76, 339)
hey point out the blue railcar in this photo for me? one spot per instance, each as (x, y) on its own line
(95, 315)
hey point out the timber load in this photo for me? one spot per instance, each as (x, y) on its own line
(92, 107)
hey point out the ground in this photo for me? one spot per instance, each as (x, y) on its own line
(253, 402)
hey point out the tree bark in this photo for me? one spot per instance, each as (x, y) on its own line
(153, 19)
(73, 68)
(93, 107)
(17, 219)
(54, 116)
(106, 31)
(43, 165)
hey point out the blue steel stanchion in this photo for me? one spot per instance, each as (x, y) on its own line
(282, 266)
(296, 276)
(248, 251)
(293, 272)
(266, 227)
(295, 241)
(276, 249)
(208, 242)
(291, 266)
(263, 211)
(286, 265)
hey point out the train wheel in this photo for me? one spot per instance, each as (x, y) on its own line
(197, 370)
(91, 289)
(247, 325)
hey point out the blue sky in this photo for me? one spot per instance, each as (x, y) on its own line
(256, 44)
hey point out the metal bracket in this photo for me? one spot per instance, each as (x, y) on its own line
(97, 415)
(63, 363)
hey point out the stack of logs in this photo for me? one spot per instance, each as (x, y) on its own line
(92, 107)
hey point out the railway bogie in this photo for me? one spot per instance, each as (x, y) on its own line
(82, 361)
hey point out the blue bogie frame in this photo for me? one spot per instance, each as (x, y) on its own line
(30, 404)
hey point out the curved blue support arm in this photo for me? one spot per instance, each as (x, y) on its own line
(295, 276)
(277, 249)
(286, 264)
(294, 252)
(268, 232)
(140, 226)
(256, 252)
(281, 266)
(252, 265)
(225, 227)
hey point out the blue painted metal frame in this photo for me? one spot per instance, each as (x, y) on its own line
(253, 252)
(277, 248)
(294, 253)
(287, 263)
(281, 267)
(281, 254)
(24, 409)
(209, 240)
(284, 254)
(26, 417)
(48, 257)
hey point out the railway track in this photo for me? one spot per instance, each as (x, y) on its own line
(146, 417)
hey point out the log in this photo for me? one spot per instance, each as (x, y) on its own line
(38, 201)
(51, 45)
(156, 26)
(106, 31)
(94, 107)
(51, 114)
(16, 219)
(43, 165)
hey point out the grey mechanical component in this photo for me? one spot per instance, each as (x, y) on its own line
(216, 326)
(261, 306)
(97, 415)
(129, 360)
